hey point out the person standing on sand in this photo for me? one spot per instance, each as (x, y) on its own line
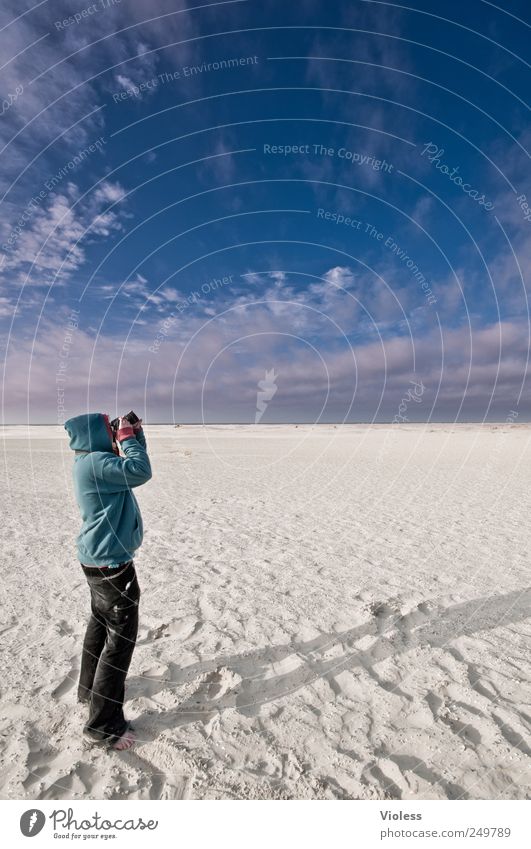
(110, 535)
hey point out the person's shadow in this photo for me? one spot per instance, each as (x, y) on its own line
(245, 682)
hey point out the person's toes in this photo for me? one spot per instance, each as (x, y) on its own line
(125, 742)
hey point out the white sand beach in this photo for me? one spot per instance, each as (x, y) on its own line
(326, 613)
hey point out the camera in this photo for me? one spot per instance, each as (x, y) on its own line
(131, 417)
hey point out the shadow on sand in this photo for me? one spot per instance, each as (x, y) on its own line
(247, 681)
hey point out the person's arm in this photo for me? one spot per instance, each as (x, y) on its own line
(139, 433)
(132, 470)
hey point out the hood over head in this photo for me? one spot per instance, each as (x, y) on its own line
(90, 432)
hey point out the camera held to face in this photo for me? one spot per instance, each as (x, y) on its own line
(131, 417)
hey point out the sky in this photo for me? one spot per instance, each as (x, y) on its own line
(265, 212)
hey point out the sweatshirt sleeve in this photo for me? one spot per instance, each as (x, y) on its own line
(141, 437)
(132, 470)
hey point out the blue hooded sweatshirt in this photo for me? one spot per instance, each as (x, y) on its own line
(112, 525)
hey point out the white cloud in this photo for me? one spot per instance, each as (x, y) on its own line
(102, 367)
(52, 241)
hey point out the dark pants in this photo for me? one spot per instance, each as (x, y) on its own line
(108, 647)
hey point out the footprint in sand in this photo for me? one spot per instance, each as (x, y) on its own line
(157, 633)
(64, 629)
(215, 685)
(221, 681)
(185, 628)
(180, 628)
(67, 683)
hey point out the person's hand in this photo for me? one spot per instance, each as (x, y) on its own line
(137, 427)
(125, 430)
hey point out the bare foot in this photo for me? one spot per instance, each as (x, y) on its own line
(125, 742)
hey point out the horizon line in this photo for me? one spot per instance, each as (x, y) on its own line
(291, 424)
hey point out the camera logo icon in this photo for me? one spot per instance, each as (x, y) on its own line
(32, 822)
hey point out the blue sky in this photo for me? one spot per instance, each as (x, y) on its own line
(331, 197)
